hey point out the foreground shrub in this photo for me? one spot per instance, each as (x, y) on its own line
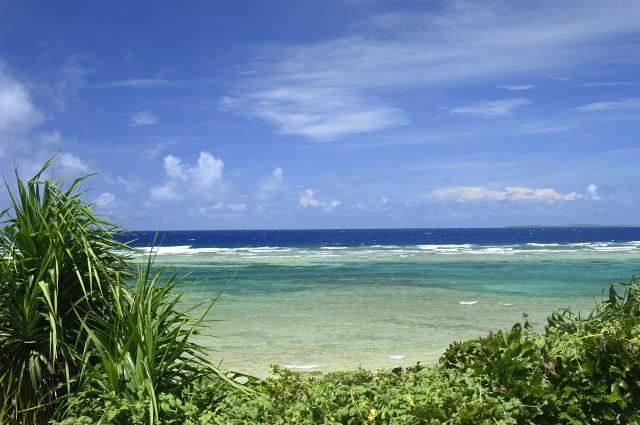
(147, 348)
(580, 370)
(78, 324)
(56, 259)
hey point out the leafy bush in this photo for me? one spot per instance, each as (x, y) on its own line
(580, 370)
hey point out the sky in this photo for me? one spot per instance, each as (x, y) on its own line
(329, 114)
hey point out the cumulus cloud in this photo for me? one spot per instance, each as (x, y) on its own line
(491, 108)
(19, 121)
(592, 192)
(511, 193)
(18, 114)
(143, 118)
(201, 180)
(72, 162)
(629, 103)
(308, 200)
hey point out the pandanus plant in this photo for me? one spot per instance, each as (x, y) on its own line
(76, 317)
(57, 259)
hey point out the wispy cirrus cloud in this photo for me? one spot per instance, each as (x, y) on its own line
(540, 127)
(614, 105)
(491, 108)
(611, 83)
(511, 193)
(105, 199)
(141, 83)
(521, 87)
(335, 88)
(143, 118)
(319, 113)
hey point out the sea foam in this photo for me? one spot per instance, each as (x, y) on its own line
(301, 366)
(397, 356)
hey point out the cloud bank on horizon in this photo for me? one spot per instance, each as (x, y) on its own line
(331, 114)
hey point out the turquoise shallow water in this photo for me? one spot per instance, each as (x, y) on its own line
(329, 308)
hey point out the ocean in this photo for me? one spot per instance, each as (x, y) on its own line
(323, 300)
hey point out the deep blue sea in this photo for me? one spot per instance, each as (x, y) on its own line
(360, 237)
(335, 299)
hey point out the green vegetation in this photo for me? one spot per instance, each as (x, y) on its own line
(87, 338)
(77, 321)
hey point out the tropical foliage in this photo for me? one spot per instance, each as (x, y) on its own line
(76, 317)
(579, 370)
(88, 337)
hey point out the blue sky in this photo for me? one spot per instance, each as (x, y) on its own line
(330, 114)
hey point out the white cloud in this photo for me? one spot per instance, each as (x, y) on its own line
(18, 114)
(308, 200)
(19, 119)
(491, 108)
(307, 89)
(592, 192)
(174, 169)
(143, 118)
(105, 199)
(629, 103)
(72, 162)
(520, 87)
(319, 113)
(611, 83)
(201, 181)
(511, 193)
(142, 83)
(543, 128)
(271, 184)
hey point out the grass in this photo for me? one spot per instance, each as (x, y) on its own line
(86, 337)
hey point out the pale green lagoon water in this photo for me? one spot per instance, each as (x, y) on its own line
(322, 309)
